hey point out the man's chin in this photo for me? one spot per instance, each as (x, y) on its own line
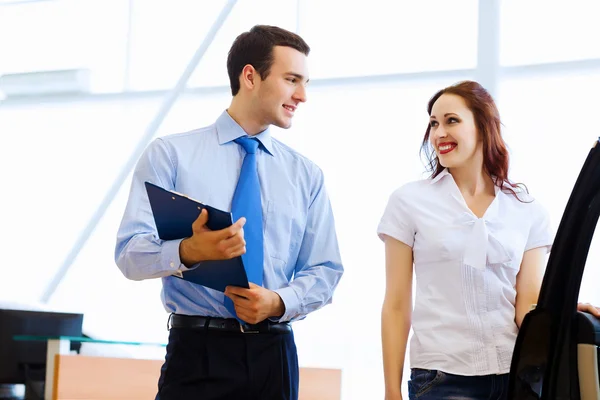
(283, 124)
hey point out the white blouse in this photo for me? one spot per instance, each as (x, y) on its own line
(466, 268)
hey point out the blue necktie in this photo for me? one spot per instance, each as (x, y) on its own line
(246, 203)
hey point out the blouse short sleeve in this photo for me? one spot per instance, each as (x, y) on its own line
(540, 231)
(396, 221)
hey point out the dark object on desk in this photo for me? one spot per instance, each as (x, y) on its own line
(12, 392)
(25, 362)
(174, 215)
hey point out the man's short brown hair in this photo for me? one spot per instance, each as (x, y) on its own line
(255, 47)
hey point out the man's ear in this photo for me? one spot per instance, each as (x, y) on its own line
(249, 77)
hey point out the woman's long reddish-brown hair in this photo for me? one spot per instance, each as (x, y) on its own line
(487, 122)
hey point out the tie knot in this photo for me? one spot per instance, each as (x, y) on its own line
(249, 144)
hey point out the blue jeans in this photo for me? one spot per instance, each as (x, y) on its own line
(437, 385)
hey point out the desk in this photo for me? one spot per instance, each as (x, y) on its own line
(60, 345)
(75, 377)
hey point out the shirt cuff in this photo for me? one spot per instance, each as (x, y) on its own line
(170, 257)
(546, 244)
(290, 302)
(395, 233)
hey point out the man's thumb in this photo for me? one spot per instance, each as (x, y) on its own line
(202, 219)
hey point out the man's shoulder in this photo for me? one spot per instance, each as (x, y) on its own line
(198, 134)
(294, 157)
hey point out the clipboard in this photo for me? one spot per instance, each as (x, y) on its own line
(174, 213)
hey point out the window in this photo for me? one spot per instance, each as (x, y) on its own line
(550, 130)
(65, 34)
(165, 36)
(542, 31)
(388, 37)
(59, 166)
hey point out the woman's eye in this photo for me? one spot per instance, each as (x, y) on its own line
(433, 123)
(452, 120)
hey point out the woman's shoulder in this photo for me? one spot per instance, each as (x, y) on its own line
(518, 192)
(521, 199)
(411, 190)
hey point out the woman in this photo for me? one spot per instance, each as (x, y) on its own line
(478, 243)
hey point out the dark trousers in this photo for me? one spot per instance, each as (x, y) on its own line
(210, 364)
(427, 384)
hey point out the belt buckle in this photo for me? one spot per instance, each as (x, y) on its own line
(246, 331)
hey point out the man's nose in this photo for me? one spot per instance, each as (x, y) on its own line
(300, 94)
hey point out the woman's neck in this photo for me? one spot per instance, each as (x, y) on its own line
(473, 181)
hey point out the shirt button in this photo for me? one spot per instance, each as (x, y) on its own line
(172, 265)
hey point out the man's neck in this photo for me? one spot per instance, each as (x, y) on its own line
(245, 117)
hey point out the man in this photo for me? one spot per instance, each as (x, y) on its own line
(284, 230)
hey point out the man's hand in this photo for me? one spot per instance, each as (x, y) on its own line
(205, 244)
(587, 307)
(255, 304)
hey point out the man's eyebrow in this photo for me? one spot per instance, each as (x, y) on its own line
(297, 75)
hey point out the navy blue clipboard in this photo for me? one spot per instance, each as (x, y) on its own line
(174, 215)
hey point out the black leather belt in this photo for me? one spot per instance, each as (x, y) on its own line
(227, 324)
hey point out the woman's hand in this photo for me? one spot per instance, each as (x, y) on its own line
(587, 307)
(397, 396)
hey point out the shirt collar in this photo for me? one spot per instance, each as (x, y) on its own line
(446, 172)
(440, 175)
(228, 130)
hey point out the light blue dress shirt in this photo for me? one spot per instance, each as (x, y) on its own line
(301, 255)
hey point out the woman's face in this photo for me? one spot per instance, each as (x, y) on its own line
(453, 134)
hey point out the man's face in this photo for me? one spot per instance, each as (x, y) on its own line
(278, 96)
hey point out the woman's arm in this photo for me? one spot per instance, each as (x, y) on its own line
(529, 281)
(396, 313)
